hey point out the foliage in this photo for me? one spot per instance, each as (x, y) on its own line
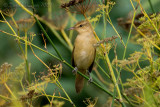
(24, 86)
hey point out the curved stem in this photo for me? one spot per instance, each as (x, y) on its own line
(53, 31)
(4, 98)
(49, 8)
(151, 6)
(67, 39)
(22, 85)
(48, 38)
(102, 70)
(66, 94)
(26, 58)
(9, 90)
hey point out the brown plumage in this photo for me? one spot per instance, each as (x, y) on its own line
(84, 52)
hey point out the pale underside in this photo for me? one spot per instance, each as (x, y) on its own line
(84, 51)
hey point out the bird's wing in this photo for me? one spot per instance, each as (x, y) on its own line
(73, 64)
(91, 66)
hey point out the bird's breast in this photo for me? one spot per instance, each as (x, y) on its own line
(84, 51)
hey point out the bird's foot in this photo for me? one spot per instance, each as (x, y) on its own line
(74, 71)
(90, 77)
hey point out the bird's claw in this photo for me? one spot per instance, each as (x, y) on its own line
(74, 71)
(90, 77)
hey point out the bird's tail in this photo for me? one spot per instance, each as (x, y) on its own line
(79, 81)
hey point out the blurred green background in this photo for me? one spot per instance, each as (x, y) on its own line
(10, 52)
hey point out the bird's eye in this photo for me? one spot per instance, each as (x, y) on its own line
(80, 25)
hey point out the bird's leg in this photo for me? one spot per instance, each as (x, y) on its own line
(74, 71)
(90, 77)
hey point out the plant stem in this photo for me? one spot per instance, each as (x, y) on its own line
(26, 58)
(4, 98)
(32, 5)
(114, 78)
(52, 97)
(53, 31)
(22, 6)
(43, 92)
(132, 105)
(19, 44)
(125, 49)
(48, 38)
(92, 28)
(66, 94)
(45, 33)
(49, 9)
(104, 21)
(22, 85)
(130, 31)
(9, 90)
(7, 23)
(14, 22)
(66, 38)
(114, 95)
(110, 22)
(151, 6)
(102, 70)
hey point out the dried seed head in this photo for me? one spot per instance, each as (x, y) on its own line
(58, 103)
(4, 67)
(4, 72)
(79, 6)
(92, 9)
(9, 11)
(18, 73)
(29, 95)
(90, 103)
(126, 22)
(71, 3)
(3, 92)
(105, 40)
(130, 63)
(131, 91)
(59, 21)
(24, 24)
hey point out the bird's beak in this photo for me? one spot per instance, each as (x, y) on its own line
(72, 28)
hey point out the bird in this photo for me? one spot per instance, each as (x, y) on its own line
(84, 52)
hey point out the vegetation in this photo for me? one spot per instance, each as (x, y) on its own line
(36, 53)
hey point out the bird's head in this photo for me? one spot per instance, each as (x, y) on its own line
(81, 27)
